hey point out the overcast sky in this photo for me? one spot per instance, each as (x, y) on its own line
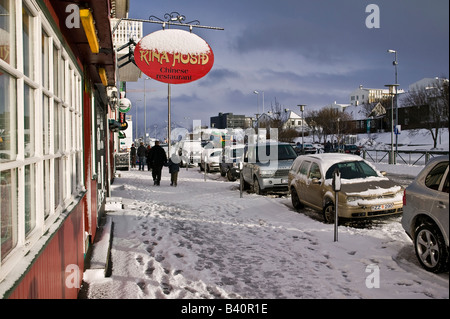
(310, 52)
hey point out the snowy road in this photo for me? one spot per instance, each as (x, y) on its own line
(201, 240)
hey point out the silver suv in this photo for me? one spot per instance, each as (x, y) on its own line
(425, 214)
(266, 167)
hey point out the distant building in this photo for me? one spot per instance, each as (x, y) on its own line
(426, 83)
(289, 118)
(125, 31)
(364, 95)
(228, 120)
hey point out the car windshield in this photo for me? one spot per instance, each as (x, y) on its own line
(352, 170)
(238, 152)
(285, 152)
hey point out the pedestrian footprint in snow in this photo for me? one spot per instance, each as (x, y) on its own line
(174, 168)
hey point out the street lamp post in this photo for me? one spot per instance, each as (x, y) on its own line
(395, 63)
(187, 118)
(302, 108)
(391, 93)
(338, 134)
(136, 137)
(145, 113)
(257, 92)
(257, 107)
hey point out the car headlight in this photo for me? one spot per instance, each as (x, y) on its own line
(353, 198)
(265, 173)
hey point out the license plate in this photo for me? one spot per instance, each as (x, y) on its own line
(382, 207)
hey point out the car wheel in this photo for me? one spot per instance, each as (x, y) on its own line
(230, 176)
(328, 213)
(256, 187)
(295, 199)
(430, 247)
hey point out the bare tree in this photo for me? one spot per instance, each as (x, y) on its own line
(434, 102)
(332, 123)
(277, 117)
(314, 126)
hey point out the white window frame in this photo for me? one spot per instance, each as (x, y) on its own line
(68, 103)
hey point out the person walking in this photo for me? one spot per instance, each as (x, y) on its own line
(147, 154)
(133, 156)
(328, 147)
(141, 155)
(158, 159)
(174, 168)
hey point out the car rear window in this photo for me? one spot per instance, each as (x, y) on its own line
(314, 172)
(434, 177)
(352, 170)
(304, 167)
(285, 152)
(446, 187)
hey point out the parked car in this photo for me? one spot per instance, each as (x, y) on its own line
(231, 158)
(365, 192)
(210, 159)
(266, 167)
(309, 149)
(319, 147)
(352, 149)
(190, 152)
(425, 214)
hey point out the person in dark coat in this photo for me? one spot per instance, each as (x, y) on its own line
(141, 155)
(158, 159)
(174, 168)
(328, 147)
(133, 156)
(147, 154)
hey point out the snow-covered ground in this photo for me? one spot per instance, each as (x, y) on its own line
(408, 140)
(201, 240)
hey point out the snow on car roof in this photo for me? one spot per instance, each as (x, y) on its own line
(329, 159)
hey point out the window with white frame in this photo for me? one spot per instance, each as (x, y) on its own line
(41, 168)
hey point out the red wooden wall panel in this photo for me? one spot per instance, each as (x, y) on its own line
(46, 278)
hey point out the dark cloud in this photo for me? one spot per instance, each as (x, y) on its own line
(300, 51)
(218, 76)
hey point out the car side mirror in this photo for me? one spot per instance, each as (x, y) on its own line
(383, 173)
(316, 181)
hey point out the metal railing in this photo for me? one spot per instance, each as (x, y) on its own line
(416, 157)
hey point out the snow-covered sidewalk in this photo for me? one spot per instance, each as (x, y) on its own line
(201, 240)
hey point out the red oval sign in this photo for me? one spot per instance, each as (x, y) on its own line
(174, 56)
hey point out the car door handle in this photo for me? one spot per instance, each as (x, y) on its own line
(441, 205)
